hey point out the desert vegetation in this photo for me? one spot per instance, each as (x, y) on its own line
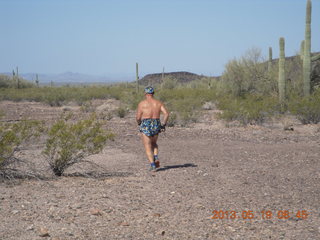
(72, 165)
(251, 90)
(12, 137)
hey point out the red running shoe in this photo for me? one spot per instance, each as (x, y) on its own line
(157, 162)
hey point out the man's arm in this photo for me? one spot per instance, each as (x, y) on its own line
(139, 114)
(165, 114)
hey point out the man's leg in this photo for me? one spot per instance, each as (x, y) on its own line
(155, 150)
(154, 140)
(148, 147)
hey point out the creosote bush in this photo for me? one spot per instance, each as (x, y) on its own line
(69, 143)
(169, 83)
(121, 112)
(185, 102)
(12, 137)
(307, 109)
(247, 74)
(248, 109)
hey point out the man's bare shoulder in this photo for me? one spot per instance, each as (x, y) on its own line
(142, 103)
(158, 101)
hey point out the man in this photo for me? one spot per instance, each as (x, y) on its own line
(148, 118)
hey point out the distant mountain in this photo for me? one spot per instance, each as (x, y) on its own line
(70, 78)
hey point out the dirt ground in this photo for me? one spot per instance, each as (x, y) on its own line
(205, 167)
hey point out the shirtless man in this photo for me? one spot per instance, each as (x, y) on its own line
(148, 118)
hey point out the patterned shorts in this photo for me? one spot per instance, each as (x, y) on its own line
(150, 127)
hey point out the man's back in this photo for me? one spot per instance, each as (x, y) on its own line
(148, 118)
(150, 108)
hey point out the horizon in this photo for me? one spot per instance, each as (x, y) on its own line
(107, 38)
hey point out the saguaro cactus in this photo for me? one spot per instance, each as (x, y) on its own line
(302, 50)
(37, 80)
(18, 79)
(137, 77)
(281, 79)
(270, 59)
(307, 52)
(13, 78)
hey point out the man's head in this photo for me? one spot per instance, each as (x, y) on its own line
(149, 90)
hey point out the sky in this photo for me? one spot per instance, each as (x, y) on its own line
(108, 37)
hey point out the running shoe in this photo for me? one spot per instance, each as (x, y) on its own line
(157, 162)
(153, 168)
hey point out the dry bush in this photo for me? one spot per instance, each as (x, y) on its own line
(70, 143)
(12, 137)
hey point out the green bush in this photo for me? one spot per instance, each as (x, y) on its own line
(307, 109)
(172, 121)
(247, 74)
(69, 143)
(169, 83)
(121, 112)
(5, 81)
(87, 107)
(17, 82)
(12, 136)
(186, 102)
(249, 109)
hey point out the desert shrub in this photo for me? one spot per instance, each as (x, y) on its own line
(203, 83)
(185, 102)
(5, 81)
(307, 109)
(172, 121)
(12, 137)
(121, 112)
(169, 83)
(87, 107)
(56, 96)
(187, 117)
(17, 82)
(69, 143)
(106, 115)
(249, 109)
(130, 98)
(247, 74)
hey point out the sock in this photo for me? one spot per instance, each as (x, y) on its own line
(153, 164)
(155, 157)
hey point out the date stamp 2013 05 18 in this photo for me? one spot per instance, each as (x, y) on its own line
(264, 214)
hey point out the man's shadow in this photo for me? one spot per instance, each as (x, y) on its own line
(176, 166)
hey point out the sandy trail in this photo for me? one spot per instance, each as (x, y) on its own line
(204, 168)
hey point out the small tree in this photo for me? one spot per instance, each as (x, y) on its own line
(70, 143)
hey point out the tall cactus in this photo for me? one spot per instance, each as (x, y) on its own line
(137, 77)
(37, 80)
(302, 50)
(282, 77)
(18, 80)
(307, 52)
(13, 78)
(270, 59)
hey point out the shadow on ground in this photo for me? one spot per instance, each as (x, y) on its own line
(177, 166)
(97, 175)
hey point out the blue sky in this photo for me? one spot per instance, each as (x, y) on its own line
(108, 37)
